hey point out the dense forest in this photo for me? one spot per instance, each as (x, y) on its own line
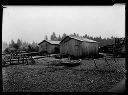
(26, 46)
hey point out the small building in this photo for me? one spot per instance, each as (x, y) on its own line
(118, 47)
(107, 48)
(78, 46)
(48, 46)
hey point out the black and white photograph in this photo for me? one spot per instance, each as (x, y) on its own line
(63, 48)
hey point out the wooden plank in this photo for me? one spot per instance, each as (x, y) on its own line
(38, 57)
(17, 59)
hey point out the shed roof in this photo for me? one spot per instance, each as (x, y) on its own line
(51, 42)
(81, 39)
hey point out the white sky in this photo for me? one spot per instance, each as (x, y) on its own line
(32, 23)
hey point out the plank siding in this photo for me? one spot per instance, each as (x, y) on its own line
(78, 48)
(89, 48)
(71, 47)
(49, 48)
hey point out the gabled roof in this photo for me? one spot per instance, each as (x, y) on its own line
(81, 39)
(51, 42)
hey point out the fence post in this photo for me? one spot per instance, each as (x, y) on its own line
(10, 60)
(18, 59)
(31, 59)
(23, 60)
(27, 60)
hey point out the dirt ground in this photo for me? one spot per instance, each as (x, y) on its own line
(43, 77)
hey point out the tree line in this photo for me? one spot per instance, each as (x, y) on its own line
(53, 37)
(33, 47)
(19, 45)
(102, 41)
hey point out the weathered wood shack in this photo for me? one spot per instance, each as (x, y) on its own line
(78, 46)
(47, 46)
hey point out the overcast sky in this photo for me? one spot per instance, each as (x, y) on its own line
(32, 23)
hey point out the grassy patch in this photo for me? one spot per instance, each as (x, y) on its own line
(44, 77)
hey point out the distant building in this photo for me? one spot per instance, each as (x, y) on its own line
(48, 46)
(118, 47)
(78, 46)
(107, 48)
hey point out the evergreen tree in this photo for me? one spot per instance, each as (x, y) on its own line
(64, 35)
(24, 46)
(29, 48)
(19, 43)
(16, 46)
(12, 44)
(53, 37)
(74, 34)
(77, 35)
(46, 37)
(59, 38)
(34, 44)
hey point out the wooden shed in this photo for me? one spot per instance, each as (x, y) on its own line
(78, 46)
(48, 46)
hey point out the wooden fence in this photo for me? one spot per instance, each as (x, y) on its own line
(18, 58)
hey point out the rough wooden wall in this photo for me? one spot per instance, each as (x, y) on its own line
(78, 48)
(45, 46)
